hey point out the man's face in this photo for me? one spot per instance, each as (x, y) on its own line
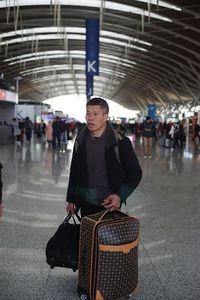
(96, 119)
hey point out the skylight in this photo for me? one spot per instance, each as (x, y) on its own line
(70, 37)
(122, 62)
(97, 3)
(33, 34)
(45, 53)
(161, 3)
(62, 31)
(64, 76)
(77, 53)
(54, 68)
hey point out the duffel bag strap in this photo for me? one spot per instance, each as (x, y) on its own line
(69, 216)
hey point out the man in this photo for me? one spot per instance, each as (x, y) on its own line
(104, 169)
(1, 186)
(57, 129)
(196, 132)
(28, 126)
(147, 135)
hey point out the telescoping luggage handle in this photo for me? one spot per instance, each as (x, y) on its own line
(115, 214)
(69, 216)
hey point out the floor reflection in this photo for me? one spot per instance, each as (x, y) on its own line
(175, 163)
(167, 160)
(166, 203)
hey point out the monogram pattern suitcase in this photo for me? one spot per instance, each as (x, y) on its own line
(108, 255)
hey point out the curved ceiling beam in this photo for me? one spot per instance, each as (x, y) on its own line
(173, 60)
(108, 5)
(168, 71)
(105, 40)
(34, 71)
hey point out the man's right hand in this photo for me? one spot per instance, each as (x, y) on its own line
(71, 208)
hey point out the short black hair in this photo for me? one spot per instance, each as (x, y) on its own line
(99, 101)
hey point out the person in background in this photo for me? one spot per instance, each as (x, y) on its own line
(147, 130)
(154, 130)
(1, 187)
(196, 132)
(178, 136)
(171, 132)
(43, 132)
(57, 129)
(16, 130)
(21, 128)
(72, 127)
(28, 125)
(49, 133)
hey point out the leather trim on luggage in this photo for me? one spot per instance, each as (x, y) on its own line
(98, 296)
(125, 248)
(136, 289)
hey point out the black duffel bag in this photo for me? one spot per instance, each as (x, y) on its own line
(62, 248)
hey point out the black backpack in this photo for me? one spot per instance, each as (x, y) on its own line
(63, 247)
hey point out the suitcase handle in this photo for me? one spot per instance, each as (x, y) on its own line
(116, 214)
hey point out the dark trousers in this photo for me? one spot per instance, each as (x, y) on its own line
(89, 209)
(56, 138)
(178, 141)
(196, 135)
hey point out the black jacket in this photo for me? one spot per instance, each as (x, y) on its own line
(1, 183)
(123, 169)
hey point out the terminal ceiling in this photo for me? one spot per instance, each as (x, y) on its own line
(149, 49)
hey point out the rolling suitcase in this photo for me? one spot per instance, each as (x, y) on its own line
(108, 255)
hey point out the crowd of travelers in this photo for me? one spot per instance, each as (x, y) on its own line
(54, 132)
(169, 134)
(22, 128)
(57, 132)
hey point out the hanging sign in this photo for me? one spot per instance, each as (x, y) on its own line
(92, 47)
(152, 111)
(89, 86)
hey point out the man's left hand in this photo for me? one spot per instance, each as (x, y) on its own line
(112, 202)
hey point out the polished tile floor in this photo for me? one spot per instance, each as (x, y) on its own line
(167, 203)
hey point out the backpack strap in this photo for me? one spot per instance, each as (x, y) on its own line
(76, 145)
(119, 137)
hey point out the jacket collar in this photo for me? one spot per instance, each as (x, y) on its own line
(111, 138)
